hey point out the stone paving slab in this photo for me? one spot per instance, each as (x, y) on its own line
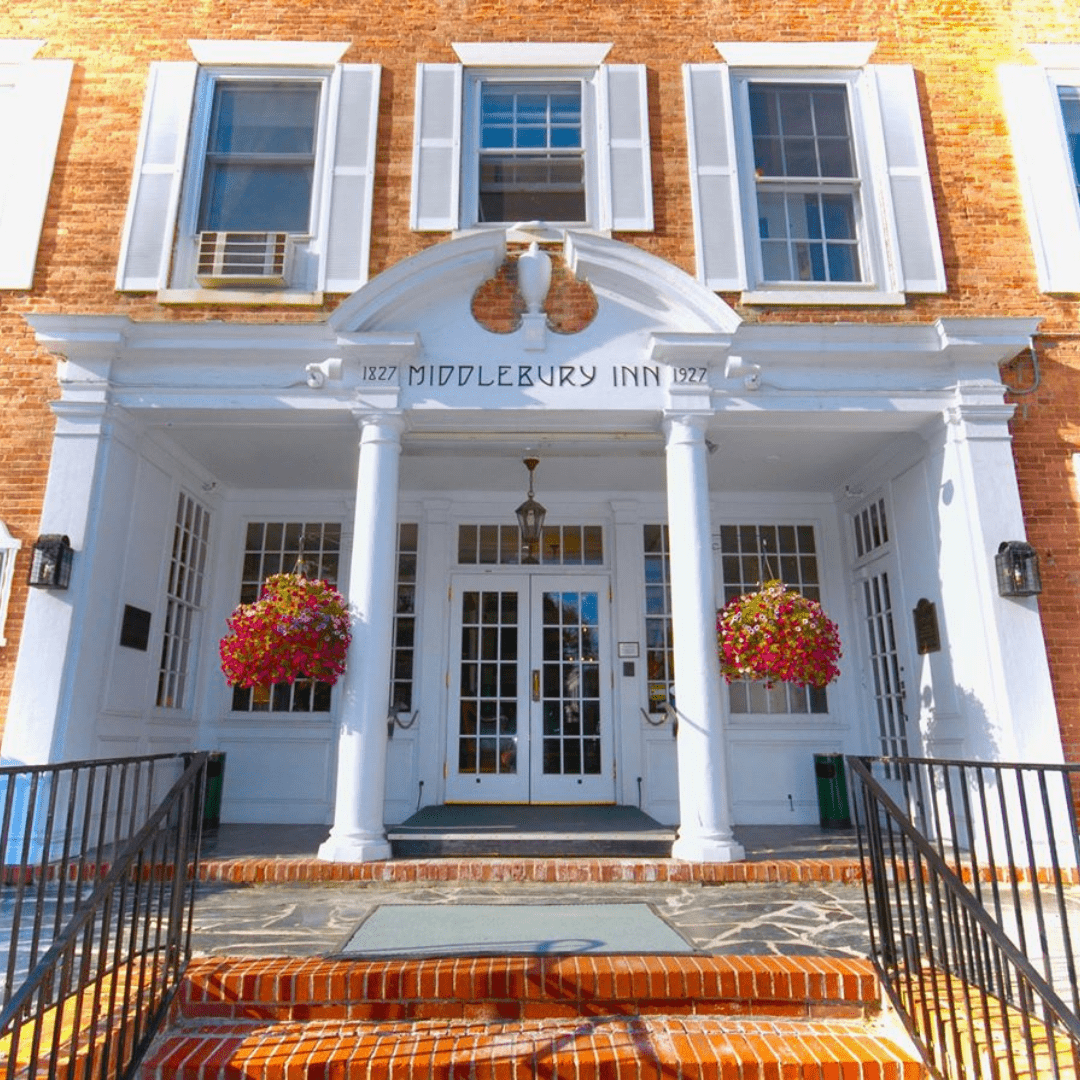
(734, 919)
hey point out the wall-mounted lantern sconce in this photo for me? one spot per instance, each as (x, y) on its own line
(50, 562)
(530, 515)
(1017, 565)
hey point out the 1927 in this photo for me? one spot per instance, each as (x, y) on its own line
(689, 374)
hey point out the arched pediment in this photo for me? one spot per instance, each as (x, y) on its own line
(446, 275)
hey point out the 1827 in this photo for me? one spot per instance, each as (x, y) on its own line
(379, 373)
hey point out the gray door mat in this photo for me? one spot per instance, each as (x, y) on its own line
(415, 930)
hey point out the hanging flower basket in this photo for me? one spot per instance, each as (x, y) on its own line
(777, 635)
(297, 629)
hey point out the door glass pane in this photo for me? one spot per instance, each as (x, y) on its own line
(487, 709)
(571, 686)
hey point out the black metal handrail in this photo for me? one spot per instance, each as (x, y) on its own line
(939, 840)
(111, 886)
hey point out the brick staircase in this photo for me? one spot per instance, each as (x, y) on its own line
(588, 1017)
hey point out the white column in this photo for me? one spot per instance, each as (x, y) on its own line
(57, 622)
(704, 807)
(1002, 671)
(358, 834)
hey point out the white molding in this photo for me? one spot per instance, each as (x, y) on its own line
(1056, 56)
(19, 50)
(796, 54)
(281, 298)
(557, 54)
(263, 53)
(9, 546)
(833, 296)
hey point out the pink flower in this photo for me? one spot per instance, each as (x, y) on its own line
(277, 639)
(776, 634)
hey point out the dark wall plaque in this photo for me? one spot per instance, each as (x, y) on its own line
(927, 635)
(135, 629)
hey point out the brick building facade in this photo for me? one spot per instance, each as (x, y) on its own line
(849, 361)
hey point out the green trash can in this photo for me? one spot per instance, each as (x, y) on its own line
(832, 794)
(215, 780)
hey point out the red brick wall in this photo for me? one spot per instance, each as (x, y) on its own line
(954, 45)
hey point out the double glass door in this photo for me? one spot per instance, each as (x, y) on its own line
(530, 690)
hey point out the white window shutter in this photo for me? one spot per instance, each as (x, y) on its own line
(38, 101)
(921, 265)
(351, 178)
(714, 179)
(626, 169)
(155, 187)
(436, 175)
(1046, 178)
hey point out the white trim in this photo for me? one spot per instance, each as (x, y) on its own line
(558, 54)
(38, 104)
(269, 53)
(1045, 173)
(801, 54)
(276, 297)
(19, 50)
(8, 547)
(835, 295)
(1056, 56)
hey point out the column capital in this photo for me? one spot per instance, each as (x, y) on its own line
(685, 427)
(380, 426)
(978, 420)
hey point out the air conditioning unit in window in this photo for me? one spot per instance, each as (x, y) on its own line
(243, 258)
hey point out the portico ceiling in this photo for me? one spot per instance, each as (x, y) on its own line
(751, 453)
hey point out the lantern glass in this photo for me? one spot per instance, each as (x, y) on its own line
(1017, 566)
(530, 515)
(50, 563)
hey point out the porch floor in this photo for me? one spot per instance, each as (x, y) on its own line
(599, 825)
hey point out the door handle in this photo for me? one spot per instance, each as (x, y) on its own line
(536, 684)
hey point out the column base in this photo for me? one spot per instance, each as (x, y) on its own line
(707, 849)
(356, 848)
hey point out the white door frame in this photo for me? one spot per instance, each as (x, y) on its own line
(507, 663)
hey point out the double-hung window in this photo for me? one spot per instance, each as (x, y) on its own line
(254, 175)
(531, 132)
(33, 96)
(809, 178)
(530, 157)
(258, 175)
(260, 156)
(806, 184)
(1042, 105)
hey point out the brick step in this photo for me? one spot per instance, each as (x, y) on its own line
(526, 987)
(582, 1047)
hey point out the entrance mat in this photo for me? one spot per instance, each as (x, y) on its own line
(415, 930)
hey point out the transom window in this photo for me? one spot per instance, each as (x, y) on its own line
(260, 157)
(560, 545)
(531, 158)
(1069, 96)
(871, 528)
(806, 183)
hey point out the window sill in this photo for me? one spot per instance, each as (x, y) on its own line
(277, 298)
(834, 297)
